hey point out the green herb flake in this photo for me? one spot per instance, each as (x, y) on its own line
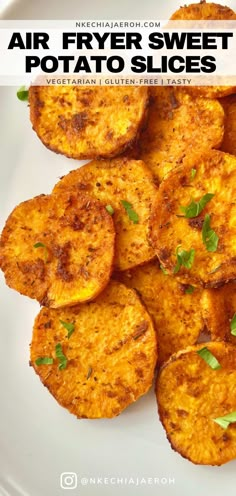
(190, 289)
(184, 258)
(233, 325)
(61, 357)
(90, 370)
(110, 209)
(209, 237)
(163, 270)
(23, 94)
(209, 358)
(133, 216)
(69, 326)
(195, 208)
(42, 245)
(193, 173)
(44, 361)
(225, 421)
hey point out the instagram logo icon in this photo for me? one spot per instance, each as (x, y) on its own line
(68, 480)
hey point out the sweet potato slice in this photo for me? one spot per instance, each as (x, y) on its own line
(171, 231)
(206, 11)
(58, 249)
(203, 10)
(174, 307)
(178, 125)
(84, 123)
(113, 183)
(219, 308)
(190, 395)
(229, 141)
(110, 353)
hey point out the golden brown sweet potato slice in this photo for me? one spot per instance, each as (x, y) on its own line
(114, 182)
(203, 10)
(172, 232)
(206, 11)
(111, 353)
(174, 307)
(190, 394)
(58, 249)
(82, 122)
(219, 308)
(178, 124)
(229, 141)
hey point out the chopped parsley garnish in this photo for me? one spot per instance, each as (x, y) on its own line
(61, 357)
(184, 258)
(209, 237)
(163, 270)
(233, 325)
(110, 209)
(190, 289)
(133, 216)
(209, 358)
(195, 208)
(44, 361)
(69, 326)
(226, 420)
(42, 245)
(23, 94)
(193, 173)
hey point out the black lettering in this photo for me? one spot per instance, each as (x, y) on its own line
(208, 64)
(65, 60)
(138, 64)
(16, 42)
(110, 64)
(53, 62)
(175, 40)
(82, 65)
(40, 40)
(176, 68)
(98, 59)
(192, 64)
(133, 41)
(31, 62)
(101, 39)
(156, 41)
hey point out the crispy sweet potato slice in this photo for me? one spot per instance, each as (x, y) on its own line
(190, 394)
(203, 10)
(111, 353)
(83, 123)
(178, 125)
(219, 308)
(176, 313)
(229, 141)
(206, 11)
(114, 182)
(171, 230)
(58, 249)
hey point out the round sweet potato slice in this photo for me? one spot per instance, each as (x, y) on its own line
(206, 242)
(190, 395)
(58, 249)
(219, 309)
(174, 307)
(178, 124)
(119, 183)
(212, 12)
(203, 10)
(228, 144)
(85, 123)
(110, 353)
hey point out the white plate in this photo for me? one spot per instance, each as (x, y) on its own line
(38, 439)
